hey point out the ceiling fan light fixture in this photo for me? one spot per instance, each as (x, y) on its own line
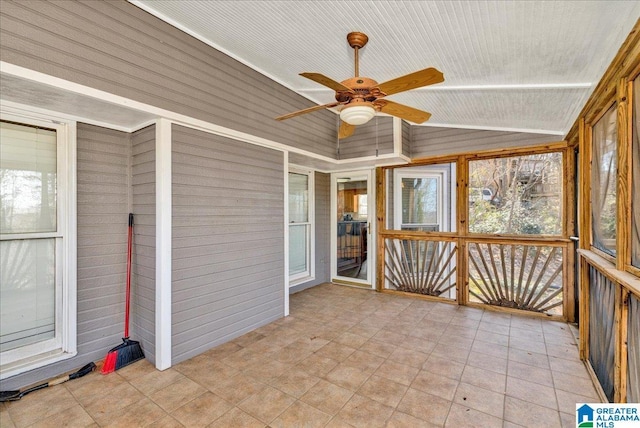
(357, 114)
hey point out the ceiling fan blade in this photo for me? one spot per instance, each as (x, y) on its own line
(307, 110)
(346, 130)
(326, 81)
(418, 79)
(402, 111)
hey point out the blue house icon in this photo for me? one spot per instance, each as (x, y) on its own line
(585, 414)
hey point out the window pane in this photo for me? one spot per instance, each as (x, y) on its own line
(635, 203)
(603, 182)
(518, 195)
(27, 179)
(297, 248)
(420, 200)
(27, 285)
(298, 198)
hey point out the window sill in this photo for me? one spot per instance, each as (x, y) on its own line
(34, 362)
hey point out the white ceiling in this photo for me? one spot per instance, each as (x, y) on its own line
(508, 65)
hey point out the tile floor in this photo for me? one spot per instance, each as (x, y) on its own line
(345, 357)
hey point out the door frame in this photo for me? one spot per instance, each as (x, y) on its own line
(369, 176)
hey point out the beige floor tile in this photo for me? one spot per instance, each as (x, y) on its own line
(317, 365)
(266, 369)
(568, 352)
(302, 415)
(443, 366)
(156, 380)
(5, 418)
(401, 373)
(531, 373)
(424, 406)
(335, 351)
(451, 352)
(295, 382)
(242, 359)
(73, 416)
(351, 339)
(523, 332)
(531, 392)
(136, 370)
(578, 385)
(380, 349)
(383, 390)
(139, 414)
(104, 409)
(236, 418)
(462, 416)
(364, 330)
(487, 362)
(527, 345)
(348, 377)
(409, 357)
(402, 420)
(39, 405)
(487, 340)
(177, 394)
(568, 420)
(530, 415)
(328, 397)
(237, 388)
(567, 401)
(364, 412)
(435, 384)
(222, 351)
(530, 358)
(575, 367)
(389, 336)
(418, 344)
(484, 379)
(493, 327)
(480, 399)
(336, 422)
(364, 361)
(267, 404)
(202, 410)
(94, 385)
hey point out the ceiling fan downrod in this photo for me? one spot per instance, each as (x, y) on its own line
(357, 40)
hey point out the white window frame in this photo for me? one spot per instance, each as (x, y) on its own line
(64, 343)
(309, 274)
(443, 194)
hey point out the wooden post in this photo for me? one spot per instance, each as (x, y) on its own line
(381, 197)
(462, 211)
(623, 254)
(584, 309)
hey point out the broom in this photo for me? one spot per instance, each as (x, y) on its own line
(129, 351)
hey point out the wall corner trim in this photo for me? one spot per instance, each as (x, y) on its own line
(163, 244)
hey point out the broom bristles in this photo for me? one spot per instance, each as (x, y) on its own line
(129, 351)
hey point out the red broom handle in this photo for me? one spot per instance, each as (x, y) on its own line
(128, 297)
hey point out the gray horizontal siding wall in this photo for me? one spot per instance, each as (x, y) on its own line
(432, 141)
(227, 239)
(143, 189)
(116, 47)
(406, 139)
(322, 217)
(103, 183)
(378, 132)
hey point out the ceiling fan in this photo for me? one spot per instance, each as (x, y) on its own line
(362, 97)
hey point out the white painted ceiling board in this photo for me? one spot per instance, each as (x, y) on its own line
(543, 45)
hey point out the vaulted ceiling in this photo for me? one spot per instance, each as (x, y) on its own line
(508, 65)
